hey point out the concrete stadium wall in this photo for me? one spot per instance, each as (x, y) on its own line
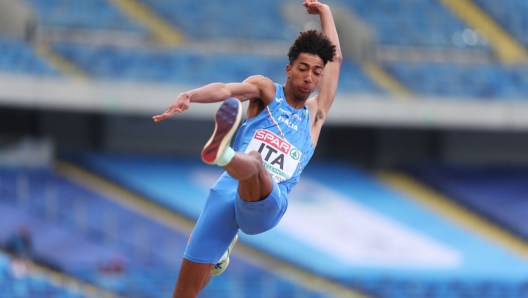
(349, 109)
(16, 20)
(372, 146)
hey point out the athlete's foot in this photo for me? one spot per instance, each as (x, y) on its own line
(224, 261)
(227, 119)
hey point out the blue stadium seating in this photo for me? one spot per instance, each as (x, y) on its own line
(424, 23)
(406, 23)
(19, 58)
(128, 171)
(257, 19)
(113, 63)
(463, 81)
(499, 194)
(353, 79)
(153, 273)
(409, 22)
(29, 286)
(185, 67)
(241, 280)
(403, 288)
(510, 14)
(96, 209)
(84, 14)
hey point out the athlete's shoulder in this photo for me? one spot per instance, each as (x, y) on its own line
(265, 85)
(259, 80)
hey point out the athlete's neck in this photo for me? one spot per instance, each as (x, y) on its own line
(292, 100)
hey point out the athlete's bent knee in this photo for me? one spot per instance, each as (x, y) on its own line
(256, 156)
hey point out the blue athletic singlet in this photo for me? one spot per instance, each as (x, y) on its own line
(281, 134)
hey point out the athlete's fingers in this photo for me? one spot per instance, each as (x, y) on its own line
(163, 116)
(311, 7)
(177, 107)
(158, 118)
(169, 113)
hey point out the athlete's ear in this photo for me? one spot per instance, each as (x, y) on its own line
(288, 70)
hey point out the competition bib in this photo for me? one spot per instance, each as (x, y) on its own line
(279, 157)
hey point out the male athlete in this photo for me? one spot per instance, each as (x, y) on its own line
(272, 147)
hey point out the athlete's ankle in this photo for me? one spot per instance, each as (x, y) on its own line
(225, 157)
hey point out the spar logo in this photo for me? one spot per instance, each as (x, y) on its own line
(273, 148)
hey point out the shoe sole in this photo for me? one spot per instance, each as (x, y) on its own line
(227, 119)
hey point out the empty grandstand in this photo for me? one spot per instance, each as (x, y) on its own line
(417, 188)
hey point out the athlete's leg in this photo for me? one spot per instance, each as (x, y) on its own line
(213, 233)
(192, 279)
(255, 183)
(217, 222)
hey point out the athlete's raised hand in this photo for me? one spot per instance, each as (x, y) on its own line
(313, 6)
(180, 105)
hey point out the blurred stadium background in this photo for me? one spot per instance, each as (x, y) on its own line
(418, 187)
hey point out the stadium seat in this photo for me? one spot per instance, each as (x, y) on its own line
(20, 59)
(30, 286)
(497, 193)
(203, 21)
(185, 67)
(149, 275)
(510, 15)
(84, 14)
(463, 81)
(418, 23)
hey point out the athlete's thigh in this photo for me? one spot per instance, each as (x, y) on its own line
(257, 187)
(258, 217)
(216, 226)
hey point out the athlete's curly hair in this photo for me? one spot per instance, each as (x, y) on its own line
(312, 42)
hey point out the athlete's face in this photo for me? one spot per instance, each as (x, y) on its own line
(304, 75)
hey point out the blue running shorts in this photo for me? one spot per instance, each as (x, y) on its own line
(225, 213)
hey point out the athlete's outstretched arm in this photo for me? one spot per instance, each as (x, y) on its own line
(253, 87)
(330, 79)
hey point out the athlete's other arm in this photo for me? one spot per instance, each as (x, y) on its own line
(255, 87)
(320, 104)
